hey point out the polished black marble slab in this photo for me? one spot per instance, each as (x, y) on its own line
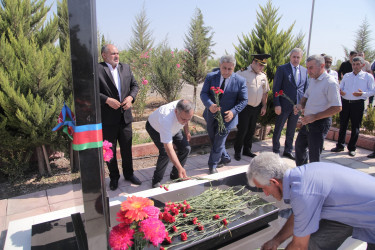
(62, 230)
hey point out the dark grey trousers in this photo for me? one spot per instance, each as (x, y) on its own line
(313, 139)
(330, 235)
(183, 151)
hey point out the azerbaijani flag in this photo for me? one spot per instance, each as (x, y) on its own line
(87, 136)
(66, 121)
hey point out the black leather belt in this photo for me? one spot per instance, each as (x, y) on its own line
(353, 101)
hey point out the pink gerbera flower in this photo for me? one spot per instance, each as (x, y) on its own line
(152, 211)
(121, 237)
(154, 230)
(107, 151)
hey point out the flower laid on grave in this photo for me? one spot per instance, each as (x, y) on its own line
(139, 225)
(195, 218)
(204, 215)
(217, 92)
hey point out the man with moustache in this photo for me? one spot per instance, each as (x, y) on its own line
(118, 90)
(320, 102)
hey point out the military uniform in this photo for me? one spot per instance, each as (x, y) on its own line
(257, 86)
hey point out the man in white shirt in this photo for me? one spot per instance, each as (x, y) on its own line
(328, 63)
(355, 87)
(164, 127)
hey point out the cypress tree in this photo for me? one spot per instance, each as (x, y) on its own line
(362, 41)
(198, 43)
(138, 55)
(266, 38)
(30, 79)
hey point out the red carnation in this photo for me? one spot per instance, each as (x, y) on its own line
(161, 248)
(221, 91)
(185, 202)
(225, 222)
(200, 227)
(183, 236)
(276, 94)
(212, 88)
(175, 229)
(168, 240)
(216, 216)
(185, 215)
(195, 220)
(281, 92)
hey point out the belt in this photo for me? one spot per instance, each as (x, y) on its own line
(353, 101)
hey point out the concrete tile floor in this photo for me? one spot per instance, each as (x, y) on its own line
(70, 195)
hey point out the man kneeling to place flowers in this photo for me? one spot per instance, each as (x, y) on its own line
(164, 127)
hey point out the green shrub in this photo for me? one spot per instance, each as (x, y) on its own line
(14, 163)
(369, 120)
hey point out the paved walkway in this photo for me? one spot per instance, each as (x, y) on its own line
(70, 195)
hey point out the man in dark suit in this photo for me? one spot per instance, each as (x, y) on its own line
(118, 90)
(232, 102)
(292, 79)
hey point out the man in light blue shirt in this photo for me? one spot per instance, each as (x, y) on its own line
(330, 202)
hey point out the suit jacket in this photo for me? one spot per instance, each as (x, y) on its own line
(108, 88)
(234, 97)
(284, 80)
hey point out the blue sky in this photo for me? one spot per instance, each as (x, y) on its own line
(334, 25)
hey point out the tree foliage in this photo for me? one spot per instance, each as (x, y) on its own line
(266, 38)
(362, 42)
(139, 58)
(141, 40)
(198, 43)
(30, 77)
(166, 69)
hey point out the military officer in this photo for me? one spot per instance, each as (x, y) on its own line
(257, 90)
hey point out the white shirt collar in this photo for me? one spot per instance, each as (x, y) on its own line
(110, 66)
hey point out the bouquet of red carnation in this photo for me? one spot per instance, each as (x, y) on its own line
(139, 224)
(217, 92)
(281, 93)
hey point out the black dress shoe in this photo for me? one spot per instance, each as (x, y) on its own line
(250, 154)
(372, 155)
(237, 156)
(133, 179)
(113, 184)
(337, 149)
(174, 176)
(213, 171)
(289, 155)
(223, 163)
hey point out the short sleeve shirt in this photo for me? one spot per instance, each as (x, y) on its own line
(322, 190)
(164, 121)
(257, 85)
(321, 94)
